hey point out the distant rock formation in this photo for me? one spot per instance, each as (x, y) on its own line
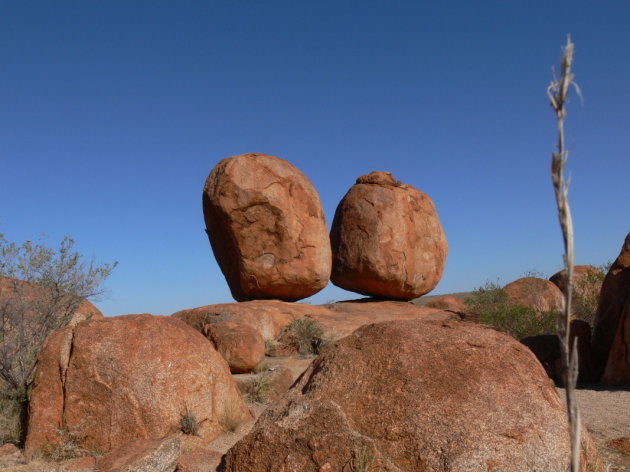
(387, 240)
(267, 228)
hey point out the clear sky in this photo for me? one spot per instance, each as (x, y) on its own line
(112, 114)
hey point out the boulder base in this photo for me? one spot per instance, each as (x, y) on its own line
(413, 396)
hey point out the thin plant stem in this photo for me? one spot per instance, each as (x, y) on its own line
(558, 91)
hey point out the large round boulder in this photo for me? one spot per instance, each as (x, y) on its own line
(613, 298)
(267, 228)
(387, 240)
(413, 396)
(105, 382)
(536, 293)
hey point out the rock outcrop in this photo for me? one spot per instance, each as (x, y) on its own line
(270, 317)
(413, 396)
(267, 228)
(539, 294)
(105, 382)
(614, 296)
(617, 372)
(387, 240)
(240, 345)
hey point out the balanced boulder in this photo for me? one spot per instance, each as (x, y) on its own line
(387, 240)
(105, 382)
(613, 298)
(267, 228)
(413, 396)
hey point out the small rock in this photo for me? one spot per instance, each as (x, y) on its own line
(240, 345)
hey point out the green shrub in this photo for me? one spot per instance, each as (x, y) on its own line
(495, 309)
(308, 335)
(261, 388)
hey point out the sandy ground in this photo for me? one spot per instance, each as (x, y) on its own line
(606, 415)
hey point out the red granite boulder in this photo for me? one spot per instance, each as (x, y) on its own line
(413, 396)
(267, 228)
(105, 382)
(532, 292)
(387, 240)
(613, 299)
(240, 345)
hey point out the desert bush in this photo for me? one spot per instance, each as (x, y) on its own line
(261, 388)
(308, 335)
(40, 290)
(188, 422)
(495, 309)
(230, 416)
(586, 293)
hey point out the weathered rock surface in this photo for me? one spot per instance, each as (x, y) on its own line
(579, 273)
(270, 317)
(539, 294)
(199, 460)
(240, 345)
(111, 380)
(413, 396)
(617, 372)
(10, 455)
(267, 228)
(143, 455)
(614, 296)
(387, 240)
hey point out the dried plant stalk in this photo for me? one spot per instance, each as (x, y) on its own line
(558, 91)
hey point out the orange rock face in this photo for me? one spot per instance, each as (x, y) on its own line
(267, 228)
(240, 345)
(617, 371)
(413, 396)
(387, 240)
(539, 294)
(112, 380)
(614, 296)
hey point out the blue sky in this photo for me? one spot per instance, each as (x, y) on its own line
(114, 112)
